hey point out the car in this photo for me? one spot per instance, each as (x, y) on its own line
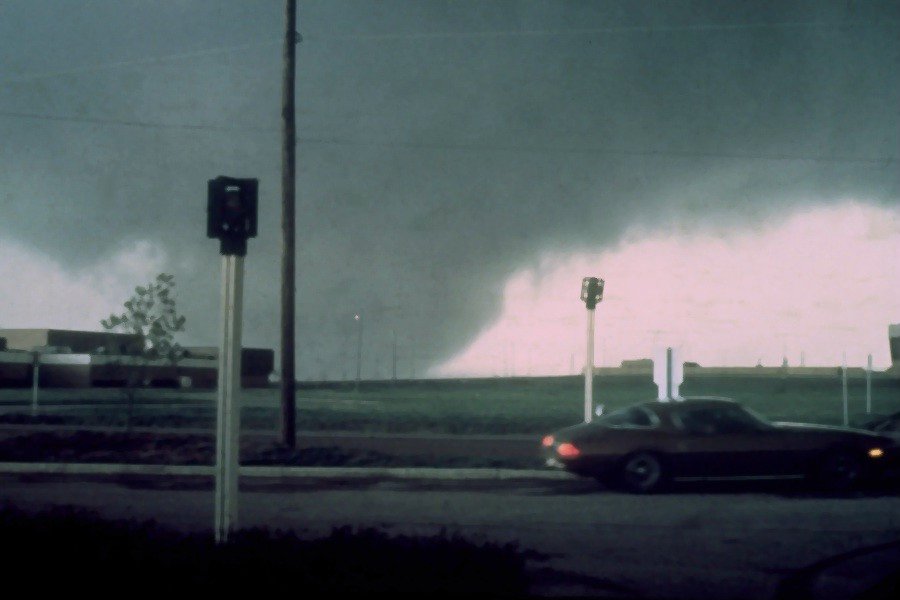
(646, 446)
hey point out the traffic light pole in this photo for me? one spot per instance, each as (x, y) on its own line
(228, 414)
(589, 369)
(591, 295)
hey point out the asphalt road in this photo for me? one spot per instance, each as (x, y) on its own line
(697, 543)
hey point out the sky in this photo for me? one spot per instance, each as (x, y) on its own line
(728, 168)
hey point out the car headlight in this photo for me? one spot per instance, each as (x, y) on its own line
(876, 453)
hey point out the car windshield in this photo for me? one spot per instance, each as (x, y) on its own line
(718, 419)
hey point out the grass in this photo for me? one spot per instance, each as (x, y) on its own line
(520, 406)
(183, 449)
(492, 406)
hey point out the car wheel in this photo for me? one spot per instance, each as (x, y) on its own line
(642, 473)
(838, 471)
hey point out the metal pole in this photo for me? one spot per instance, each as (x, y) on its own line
(288, 236)
(589, 369)
(359, 351)
(394, 359)
(35, 382)
(228, 414)
(669, 373)
(869, 385)
(844, 381)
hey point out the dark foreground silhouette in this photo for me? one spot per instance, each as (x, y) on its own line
(71, 549)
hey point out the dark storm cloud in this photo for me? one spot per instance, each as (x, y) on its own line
(443, 144)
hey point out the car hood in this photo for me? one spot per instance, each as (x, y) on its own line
(813, 428)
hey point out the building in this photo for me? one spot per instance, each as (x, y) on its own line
(81, 359)
(77, 342)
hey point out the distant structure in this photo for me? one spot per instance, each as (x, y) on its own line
(81, 359)
(639, 363)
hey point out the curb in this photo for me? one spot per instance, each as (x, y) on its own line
(437, 473)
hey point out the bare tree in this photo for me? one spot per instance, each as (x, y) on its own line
(151, 314)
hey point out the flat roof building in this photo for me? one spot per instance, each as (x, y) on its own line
(78, 342)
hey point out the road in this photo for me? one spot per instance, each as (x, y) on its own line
(697, 543)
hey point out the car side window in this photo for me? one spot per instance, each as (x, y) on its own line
(698, 421)
(633, 416)
(716, 420)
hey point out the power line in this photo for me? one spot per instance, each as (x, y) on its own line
(597, 150)
(143, 62)
(511, 33)
(434, 35)
(457, 146)
(134, 123)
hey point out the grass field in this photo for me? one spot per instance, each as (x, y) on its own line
(486, 406)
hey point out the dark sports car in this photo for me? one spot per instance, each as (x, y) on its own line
(645, 446)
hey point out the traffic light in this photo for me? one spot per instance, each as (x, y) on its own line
(591, 291)
(231, 213)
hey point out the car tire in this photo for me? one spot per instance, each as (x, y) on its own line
(642, 473)
(839, 470)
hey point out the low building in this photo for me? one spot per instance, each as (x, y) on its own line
(78, 342)
(80, 359)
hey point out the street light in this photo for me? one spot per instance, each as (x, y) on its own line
(591, 295)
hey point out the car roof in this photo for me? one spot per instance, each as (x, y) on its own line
(693, 401)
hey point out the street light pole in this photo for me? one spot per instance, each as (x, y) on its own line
(591, 295)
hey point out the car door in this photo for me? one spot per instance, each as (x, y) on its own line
(721, 442)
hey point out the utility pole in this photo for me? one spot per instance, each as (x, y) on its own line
(394, 361)
(288, 252)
